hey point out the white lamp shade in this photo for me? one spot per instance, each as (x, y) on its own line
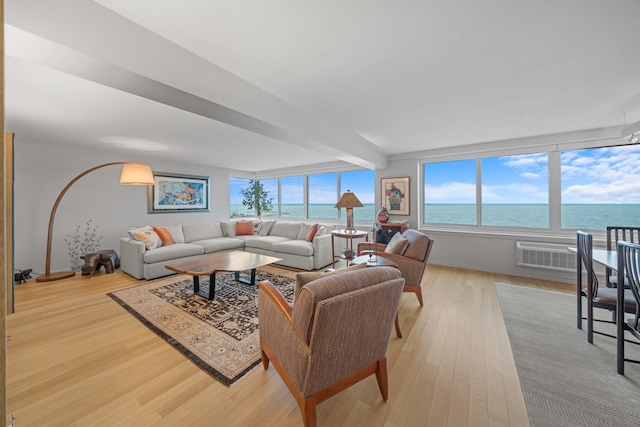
(136, 174)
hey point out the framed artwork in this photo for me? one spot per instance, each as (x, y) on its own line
(395, 195)
(178, 193)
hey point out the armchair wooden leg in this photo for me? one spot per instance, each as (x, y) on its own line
(265, 359)
(309, 414)
(381, 376)
(416, 290)
(398, 331)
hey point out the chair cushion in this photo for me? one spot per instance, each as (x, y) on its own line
(397, 244)
(331, 285)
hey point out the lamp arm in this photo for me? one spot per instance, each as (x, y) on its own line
(47, 269)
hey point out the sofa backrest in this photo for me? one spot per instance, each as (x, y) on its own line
(285, 229)
(209, 230)
(176, 232)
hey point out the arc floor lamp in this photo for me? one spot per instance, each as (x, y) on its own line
(132, 174)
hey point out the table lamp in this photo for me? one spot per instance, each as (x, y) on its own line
(349, 201)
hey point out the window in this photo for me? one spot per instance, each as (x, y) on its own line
(323, 190)
(292, 196)
(450, 192)
(600, 187)
(236, 208)
(289, 195)
(515, 191)
(271, 187)
(592, 188)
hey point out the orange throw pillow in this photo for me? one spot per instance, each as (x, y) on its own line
(244, 228)
(165, 235)
(312, 232)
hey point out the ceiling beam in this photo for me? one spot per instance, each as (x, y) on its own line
(119, 53)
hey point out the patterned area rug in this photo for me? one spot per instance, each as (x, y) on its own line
(565, 380)
(220, 336)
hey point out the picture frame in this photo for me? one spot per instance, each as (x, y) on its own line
(178, 193)
(395, 195)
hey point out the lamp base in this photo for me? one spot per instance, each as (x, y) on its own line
(55, 276)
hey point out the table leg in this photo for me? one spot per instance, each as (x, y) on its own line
(252, 281)
(333, 253)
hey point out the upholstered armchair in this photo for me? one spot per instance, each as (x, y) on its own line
(335, 334)
(410, 256)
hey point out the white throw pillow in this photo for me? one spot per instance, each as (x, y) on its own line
(397, 245)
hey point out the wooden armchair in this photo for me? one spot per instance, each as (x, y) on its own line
(411, 262)
(335, 334)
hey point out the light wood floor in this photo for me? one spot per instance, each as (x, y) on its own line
(77, 358)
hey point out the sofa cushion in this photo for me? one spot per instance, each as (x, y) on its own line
(165, 235)
(209, 230)
(285, 229)
(176, 232)
(266, 227)
(264, 242)
(304, 230)
(132, 231)
(312, 232)
(172, 252)
(149, 237)
(228, 228)
(219, 244)
(244, 228)
(294, 247)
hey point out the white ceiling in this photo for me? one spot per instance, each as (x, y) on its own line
(259, 85)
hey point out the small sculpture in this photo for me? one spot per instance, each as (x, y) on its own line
(383, 215)
(94, 261)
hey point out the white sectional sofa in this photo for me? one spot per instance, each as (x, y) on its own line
(281, 239)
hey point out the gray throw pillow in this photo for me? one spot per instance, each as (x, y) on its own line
(397, 245)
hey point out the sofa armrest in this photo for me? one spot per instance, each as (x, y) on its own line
(322, 255)
(132, 257)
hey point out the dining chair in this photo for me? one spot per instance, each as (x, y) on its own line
(629, 262)
(615, 233)
(597, 297)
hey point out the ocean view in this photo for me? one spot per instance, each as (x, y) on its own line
(574, 216)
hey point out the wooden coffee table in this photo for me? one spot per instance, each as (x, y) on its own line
(235, 261)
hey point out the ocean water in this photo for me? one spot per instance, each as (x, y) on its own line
(579, 216)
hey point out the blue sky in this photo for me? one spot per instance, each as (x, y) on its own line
(322, 188)
(602, 175)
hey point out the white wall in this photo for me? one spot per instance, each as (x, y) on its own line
(42, 172)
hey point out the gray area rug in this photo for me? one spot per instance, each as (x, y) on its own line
(220, 336)
(565, 380)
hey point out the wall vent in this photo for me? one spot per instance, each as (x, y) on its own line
(545, 255)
